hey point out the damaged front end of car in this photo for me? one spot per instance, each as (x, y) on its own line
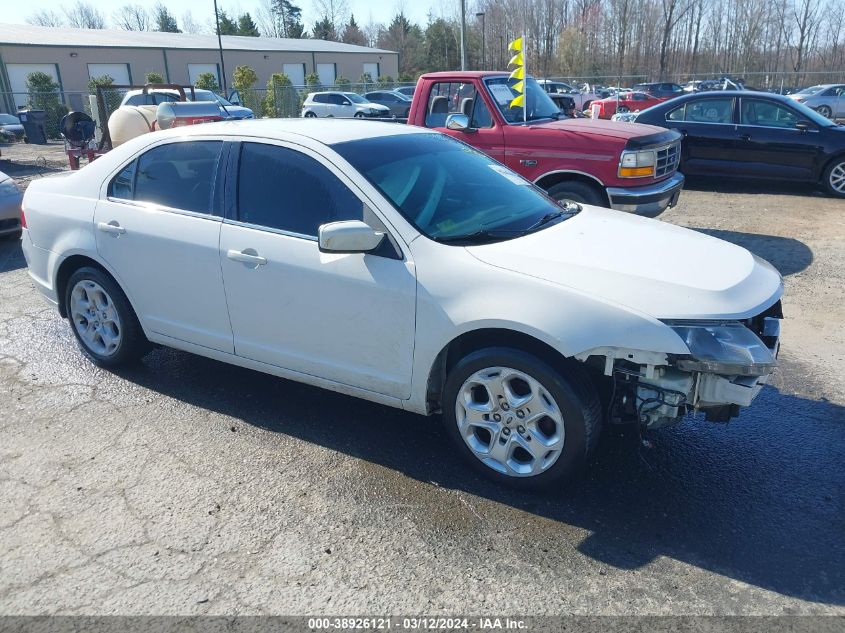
(727, 365)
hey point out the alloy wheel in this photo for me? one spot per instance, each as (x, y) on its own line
(95, 318)
(837, 178)
(510, 421)
(825, 111)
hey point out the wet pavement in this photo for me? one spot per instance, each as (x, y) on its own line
(186, 486)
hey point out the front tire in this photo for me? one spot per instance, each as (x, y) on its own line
(102, 320)
(576, 191)
(359, 115)
(834, 177)
(518, 420)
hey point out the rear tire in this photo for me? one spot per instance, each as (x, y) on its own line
(310, 115)
(576, 191)
(549, 421)
(102, 319)
(825, 111)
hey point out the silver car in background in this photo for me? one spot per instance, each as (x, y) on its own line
(826, 99)
(10, 206)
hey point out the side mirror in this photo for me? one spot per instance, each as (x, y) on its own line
(350, 236)
(235, 98)
(457, 122)
(802, 125)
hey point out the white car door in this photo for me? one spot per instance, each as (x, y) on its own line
(344, 107)
(157, 228)
(348, 318)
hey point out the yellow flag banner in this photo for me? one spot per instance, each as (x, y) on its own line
(516, 45)
(516, 60)
(519, 86)
(518, 73)
(517, 102)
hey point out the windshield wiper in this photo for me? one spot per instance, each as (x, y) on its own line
(482, 234)
(551, 216)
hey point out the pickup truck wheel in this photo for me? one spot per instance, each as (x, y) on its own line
(576, 191)
(518, 420)
(834, 177)
(102, 320)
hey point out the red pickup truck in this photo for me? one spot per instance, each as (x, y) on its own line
(624, 166)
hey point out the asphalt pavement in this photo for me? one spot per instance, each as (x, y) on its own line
(184, 486)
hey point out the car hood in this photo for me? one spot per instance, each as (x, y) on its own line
(590, 127)
(653, 267)
(374, 106)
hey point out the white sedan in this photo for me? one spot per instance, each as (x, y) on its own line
(398, 265)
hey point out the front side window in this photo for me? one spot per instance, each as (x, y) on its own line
(767, 114)
(177, 175)
(448, 190)
(280, 188)
(456, 98)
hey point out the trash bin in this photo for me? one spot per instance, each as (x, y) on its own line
(35, 125)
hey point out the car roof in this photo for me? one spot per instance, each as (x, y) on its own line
(326, 131)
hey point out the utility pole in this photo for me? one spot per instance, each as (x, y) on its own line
(220, 48)
(483, 42)
(463, 34)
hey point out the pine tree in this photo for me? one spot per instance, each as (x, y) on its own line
(247, 27)
(352, 33)
(164, 21)
(226, 24)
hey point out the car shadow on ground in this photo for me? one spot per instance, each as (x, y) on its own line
(11, 255)
(787, 254)
(759, 500)
(723, 184)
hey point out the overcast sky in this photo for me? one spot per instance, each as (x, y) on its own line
(203, 10)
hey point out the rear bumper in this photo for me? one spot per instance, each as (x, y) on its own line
(649, 200)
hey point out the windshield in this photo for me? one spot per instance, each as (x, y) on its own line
(810, 91)
(450, 191)
(355, 98)
(540, 106)
(8, 119)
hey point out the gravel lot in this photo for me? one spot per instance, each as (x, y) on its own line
(187, 486)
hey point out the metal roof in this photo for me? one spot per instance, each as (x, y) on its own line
(30, 35)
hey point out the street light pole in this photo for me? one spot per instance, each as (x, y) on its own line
(463, 34)
(483, 42)
(220, 47)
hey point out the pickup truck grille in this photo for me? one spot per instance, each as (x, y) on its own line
(667, 160)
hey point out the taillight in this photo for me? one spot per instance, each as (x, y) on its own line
(23, 217)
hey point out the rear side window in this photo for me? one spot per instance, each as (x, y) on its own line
(283, 189)
(714, 110)
(321, 98)
(176, 175)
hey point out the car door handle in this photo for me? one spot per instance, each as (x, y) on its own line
(744, 137)
(246, 257)
(111, 227)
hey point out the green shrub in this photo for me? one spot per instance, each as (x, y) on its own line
(207, 81)
(43, 94)
(154, 77)
(282, 99)
(244, 79)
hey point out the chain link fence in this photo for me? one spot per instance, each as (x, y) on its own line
(276, 102)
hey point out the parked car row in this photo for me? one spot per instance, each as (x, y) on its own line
(749, 134)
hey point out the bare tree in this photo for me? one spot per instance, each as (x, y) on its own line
(46, 17)
(83, 15)
(336, 12)
(189, 25)
(132, 17)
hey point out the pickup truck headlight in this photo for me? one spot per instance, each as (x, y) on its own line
(724, 348)
(637, 164)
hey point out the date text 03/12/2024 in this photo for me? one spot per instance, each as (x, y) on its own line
(416, 623)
